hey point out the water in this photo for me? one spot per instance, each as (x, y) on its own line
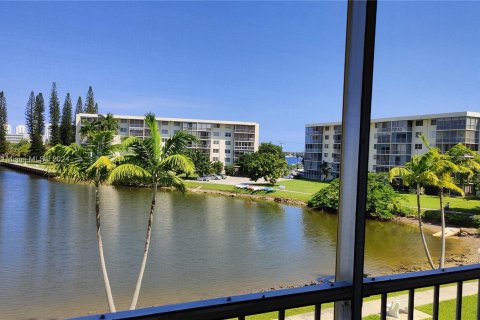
(293, 160)
(202, 247)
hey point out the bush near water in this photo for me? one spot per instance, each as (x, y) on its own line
(382, 200)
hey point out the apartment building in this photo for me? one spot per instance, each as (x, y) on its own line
(393, 141)
(223, 141)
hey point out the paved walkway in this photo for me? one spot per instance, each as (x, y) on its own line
(421, 298)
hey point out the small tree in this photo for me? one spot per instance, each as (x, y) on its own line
(229, 170)
(268, 163)
(200, 160)
(216, 167)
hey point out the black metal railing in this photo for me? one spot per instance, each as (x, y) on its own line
(281, 300)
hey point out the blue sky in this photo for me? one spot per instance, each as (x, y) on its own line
(276, 63)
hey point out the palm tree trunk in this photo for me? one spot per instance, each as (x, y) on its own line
(108, 290)
(442, 216)
(145, 250)
(420, 225)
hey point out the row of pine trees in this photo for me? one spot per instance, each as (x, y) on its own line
(62, 122)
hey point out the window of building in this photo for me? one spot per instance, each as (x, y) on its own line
(124, 121)
(164, 123)
(418, 146)
(375, 146)
(325, 155)
(419, 123)
(227, 126)
(123, 130)
(164, 131)
(216, 142)
(227, 159)
(215, 150)
(215, 158)
(418, 134)
(217, 125)
(327, 137)
(327, 128)
(227, 143)
(228, 134)
(216, 134)
(227, 150)
(326, 146)
(176, 124)
(433, 122)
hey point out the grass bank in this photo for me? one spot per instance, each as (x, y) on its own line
(297, 190)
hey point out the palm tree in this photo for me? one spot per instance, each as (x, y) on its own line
(466, 158)
(325, 169)
(416, 173)
(157, 164)
(443, 170)
(102, 123)
(91, 163)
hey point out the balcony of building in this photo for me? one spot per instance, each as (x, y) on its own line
(351, 286)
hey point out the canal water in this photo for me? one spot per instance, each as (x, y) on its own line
(203, 246)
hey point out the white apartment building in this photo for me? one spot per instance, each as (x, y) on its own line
(223, 141)
(393, 141)
(18, 136)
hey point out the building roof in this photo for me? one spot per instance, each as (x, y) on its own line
(116, 116)
(415, 117)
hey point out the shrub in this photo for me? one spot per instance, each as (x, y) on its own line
(382, 200)
(456, 219)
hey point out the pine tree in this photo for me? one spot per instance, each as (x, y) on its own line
(37, 148)
(29, 117)
(79, 108)
(3, 123)
(54, 116)
(66, 128)
(96, 108)
(90, 101)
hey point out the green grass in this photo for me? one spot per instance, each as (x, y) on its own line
(291, 312)
(432, 202)
(294, 189)
(447, 308)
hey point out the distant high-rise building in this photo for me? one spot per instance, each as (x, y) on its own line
(20, 129)
(8, 129)
(46, 133)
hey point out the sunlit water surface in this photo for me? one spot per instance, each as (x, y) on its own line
(202, 247)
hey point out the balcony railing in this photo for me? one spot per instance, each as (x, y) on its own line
(281, 300)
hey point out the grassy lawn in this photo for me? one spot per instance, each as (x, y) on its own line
(432, 202)
(469, 302)
(447, 308)
(294, 189)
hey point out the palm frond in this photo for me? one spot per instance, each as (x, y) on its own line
(155, 140)
(170, 179)
(179, 162)
(178, 143)
(127, 172)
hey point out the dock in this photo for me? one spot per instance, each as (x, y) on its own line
(29, 168)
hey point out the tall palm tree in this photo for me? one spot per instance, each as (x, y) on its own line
(155, 163)
(416, 173)
(443, 170)
(90, 163)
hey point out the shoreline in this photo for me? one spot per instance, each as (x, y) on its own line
(249, 196)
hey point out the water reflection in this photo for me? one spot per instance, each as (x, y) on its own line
(202, 246)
